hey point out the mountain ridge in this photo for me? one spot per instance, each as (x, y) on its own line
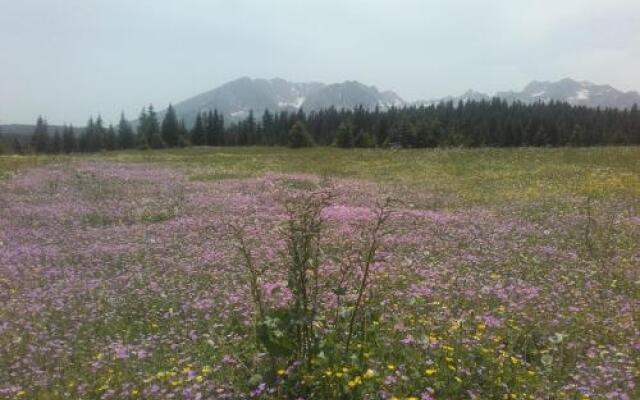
(236, 98)
(568, 90)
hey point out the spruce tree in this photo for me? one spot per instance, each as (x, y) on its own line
(17, 147)
(214, 129)
(126, 138)
(95, 135)
(2, 146)
(344, 135)
(220, 131)
(407, 134)
(84, 139)
(267, 128)
(68, 140)
(142, 122)
(210, 129)
(40, 138)
(299, 137)
(149, 130)
(363, 139)
(110, 139)
(170, 128)
(183, 137)
(56, 143)
(198, 132)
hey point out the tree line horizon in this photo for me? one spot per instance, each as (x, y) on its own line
(494, 123)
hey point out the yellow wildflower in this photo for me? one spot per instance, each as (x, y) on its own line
(430, 371)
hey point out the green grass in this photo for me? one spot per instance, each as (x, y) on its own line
(9, 164)
(461, 176)
(458, 177)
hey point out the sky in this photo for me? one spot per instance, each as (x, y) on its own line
(69, 59)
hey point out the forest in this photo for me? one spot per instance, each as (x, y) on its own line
(494, 123)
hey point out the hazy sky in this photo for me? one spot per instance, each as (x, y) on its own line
(67, 59)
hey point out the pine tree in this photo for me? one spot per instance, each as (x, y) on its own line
(198, 132)
(40, 138)
(214, 128)
(83, 140)
(363, 139)
(170, 128)
(68, 140)
(407, 134)
(97, 141)
(151, 130)
(110, 139)
(183, 137)
(148, 130)
(126, 138)
(220, 131)
(541, 138)
(143, 142)
(56, 143)
(2, 147)
(210, 129)
(344, 135)
(17, 147)
(267, 128)
(299, 137)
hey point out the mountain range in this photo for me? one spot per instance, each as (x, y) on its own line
(577, 93)
(237, 98)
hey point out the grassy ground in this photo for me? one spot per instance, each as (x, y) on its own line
(503, 274)
(482, 176)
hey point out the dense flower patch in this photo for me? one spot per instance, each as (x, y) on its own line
(123, 281)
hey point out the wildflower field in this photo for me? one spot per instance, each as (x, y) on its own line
(321, 274)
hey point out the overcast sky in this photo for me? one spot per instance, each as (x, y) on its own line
(68, 59)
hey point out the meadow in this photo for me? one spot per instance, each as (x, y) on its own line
(211, 273)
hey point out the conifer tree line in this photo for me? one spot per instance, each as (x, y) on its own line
(472, 124)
